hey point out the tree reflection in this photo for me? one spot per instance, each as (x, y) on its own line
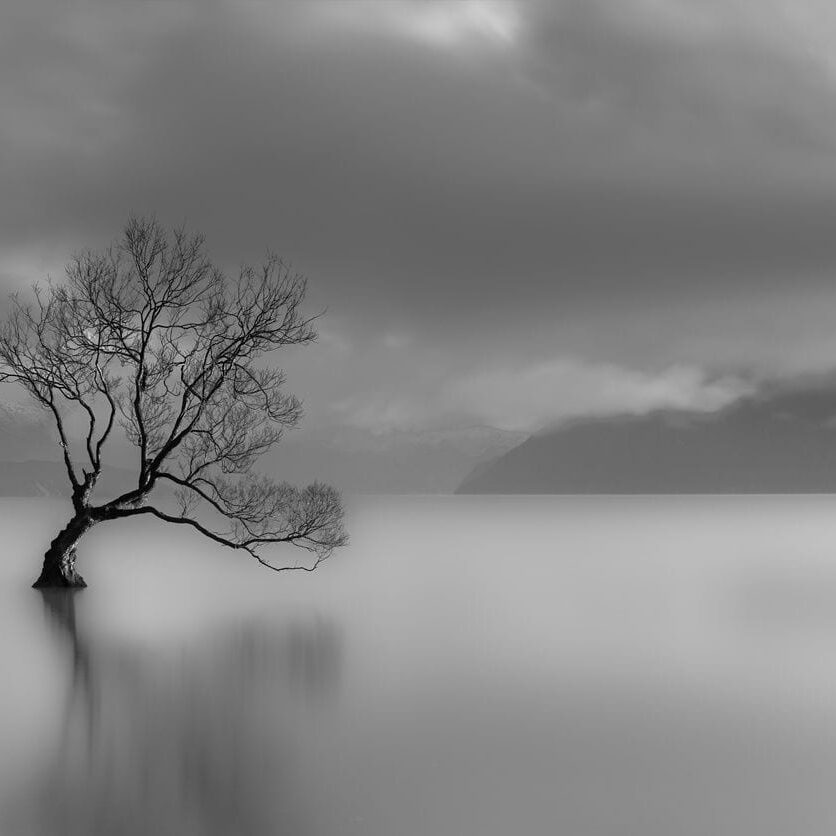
(197, 739)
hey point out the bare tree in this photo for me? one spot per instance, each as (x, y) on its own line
(149, 335)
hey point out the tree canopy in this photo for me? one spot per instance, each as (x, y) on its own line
(150, 336)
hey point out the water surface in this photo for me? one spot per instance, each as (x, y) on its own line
(491, 665)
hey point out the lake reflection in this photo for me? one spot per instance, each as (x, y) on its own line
(196, 740)
(608, 666)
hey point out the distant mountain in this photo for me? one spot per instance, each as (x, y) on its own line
(30, 458)
(40, 478)
(355, 461)
(782, 442)
(433, 461)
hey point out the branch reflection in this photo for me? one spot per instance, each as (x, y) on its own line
(195, 739)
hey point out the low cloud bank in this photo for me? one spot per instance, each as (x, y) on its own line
(530, 398)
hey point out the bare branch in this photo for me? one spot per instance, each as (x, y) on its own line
(262, 515)
(151, 335)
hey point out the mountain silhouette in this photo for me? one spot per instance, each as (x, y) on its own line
(777, 442)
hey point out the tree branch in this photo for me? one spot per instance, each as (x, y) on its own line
(150, 334)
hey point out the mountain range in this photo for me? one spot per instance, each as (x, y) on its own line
(433, 461)
(779, 441)
(353, 460)
(776, 442)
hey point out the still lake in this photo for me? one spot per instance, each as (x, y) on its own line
(587, 666)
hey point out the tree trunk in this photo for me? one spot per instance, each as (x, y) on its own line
(59, 570)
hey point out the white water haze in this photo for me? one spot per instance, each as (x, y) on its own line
(616, 666)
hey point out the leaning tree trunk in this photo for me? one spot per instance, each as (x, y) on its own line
(59, 570)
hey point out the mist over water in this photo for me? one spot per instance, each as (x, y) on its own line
(468, 665)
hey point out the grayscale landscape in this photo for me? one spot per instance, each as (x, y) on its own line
(418, 418)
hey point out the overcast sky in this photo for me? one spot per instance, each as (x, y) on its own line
(514, 212)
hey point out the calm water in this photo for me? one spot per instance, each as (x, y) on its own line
(527, 665)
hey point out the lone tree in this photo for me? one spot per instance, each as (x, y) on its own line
(151, 336)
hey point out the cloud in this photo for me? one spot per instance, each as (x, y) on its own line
(446, 24)
(585, 178)
(532, 398)
(529, 399)
(618, 148)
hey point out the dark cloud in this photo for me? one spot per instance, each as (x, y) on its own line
(471, 186)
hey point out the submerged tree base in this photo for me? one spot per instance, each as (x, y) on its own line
(50, 580)
(59, 574)
(58, 570)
